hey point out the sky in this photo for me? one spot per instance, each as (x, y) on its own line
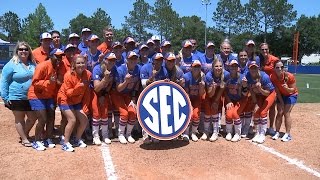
(62, 11)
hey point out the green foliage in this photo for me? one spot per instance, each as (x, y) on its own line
(139, 20)
(34, 25)
(11, 24)
(311, 94)
(121, 34)
(3, 37)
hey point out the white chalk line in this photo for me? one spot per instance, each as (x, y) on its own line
(108, 164)
(295, 162)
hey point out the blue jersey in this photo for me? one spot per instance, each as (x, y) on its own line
(97, 74)
(187, 61)
(141, 63)
(175, 75)
(257, 59)
(207, 66)
(135, 79)
(93, 59)
(211, 79)
(119, 62)
(192, 84)
(226, 60)
(61, 47)
(264, 80)
(82, 47)
(146, 72)
(233, 87)
(198, 54)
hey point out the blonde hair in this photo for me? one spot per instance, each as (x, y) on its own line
(216, 60)
(74, 62)
(15, 58)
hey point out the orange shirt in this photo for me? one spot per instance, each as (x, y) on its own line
(64, 67)
(44, 82)
(103, 47)
(290, 79)
(269, 66)
(72, 92)
(40, 55)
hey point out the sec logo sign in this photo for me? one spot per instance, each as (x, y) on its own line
(164, 110)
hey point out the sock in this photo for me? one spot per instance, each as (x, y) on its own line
(105, 128)
(206, 123)
(215, 122)
(263, 127)
(237, 126)
(194, 129)
(256, 122)
(228, 126)
(95, 127)
(129, 129)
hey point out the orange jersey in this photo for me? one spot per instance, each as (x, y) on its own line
(75, 89)
(103, 47)
(44, 82)
(40, 55)
(289, 79)
(64, 67)
(269, 65)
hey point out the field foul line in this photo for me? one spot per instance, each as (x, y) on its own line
(295, 162)
(108, 164)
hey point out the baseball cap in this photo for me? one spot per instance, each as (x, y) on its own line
(92, 37)
(111, 56)
(45, 35)
(165, 43)
(196, 63)
(116, 44)
(56, 52)
(253, 63)
(85, 30)
(250, 42)
(170, 56)
(69, 46)
(129, 40)
(157, 56)
(150, 41)
(210, 43)
(131, 54)
(234, 61)
(186, 43)
(155, 38)
(74, 35)
(143, 46)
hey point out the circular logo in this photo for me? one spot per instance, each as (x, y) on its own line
(164, 110)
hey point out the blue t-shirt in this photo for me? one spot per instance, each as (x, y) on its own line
(233, 88)
(178, 74)
(97, 74)
(187, 61)
(146, 72)
(226, 60)
(211, 79)
(93, 59)
(82, 47)
(135, 79)
(265, 81)
(16, 80)
(192, 84)
(207, 66)
(119, 62)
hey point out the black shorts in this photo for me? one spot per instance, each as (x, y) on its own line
(19, 105)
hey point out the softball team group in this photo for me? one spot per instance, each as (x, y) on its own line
(95, 84)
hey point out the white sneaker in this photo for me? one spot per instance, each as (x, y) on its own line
(38, 146)
(243, 135)
(131, 140)
(185, 137)
(204, 136)
(228, 137)
(276, 136)
(122, 139)
(256, 137)
(214, 137)
(107, 140)
(261, 139)
(286, 137)
(67, 147)
(236, 138)
(49, 143)
(80, 143)
(96, 141)
(194, 137)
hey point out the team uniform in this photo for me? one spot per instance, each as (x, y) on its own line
(226, 60)
(92, 60)
(104, 48)
(287, 78)
(146, 72)
(269, 64)
(186, 62)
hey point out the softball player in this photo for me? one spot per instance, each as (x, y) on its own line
(175, 74)
(92, 54)
(263, 94)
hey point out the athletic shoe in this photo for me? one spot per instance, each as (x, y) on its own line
(204, 136)
(243, 135)
(185, 137)
(122, 139)
(61, 140)
(107, 140)
(67, 147)
(131, 140)
(194, 137)
(271, 131)
(261, 139)
(80, 143)
(276, 136)
(37, 145)
(256, 137)
(214, 137)
(229, 137)
(236, 138)
(286, 137)
(96, 141)
(49, 143)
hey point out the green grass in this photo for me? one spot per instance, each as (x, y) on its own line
(311, 94)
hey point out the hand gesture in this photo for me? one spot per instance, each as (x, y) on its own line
(222, 85)
(244, 82)
(127, 77)
(132, 104)
(53, 78)
(258, 85)
(229, 105)
(285, 86)
(106, 73)
(101, 56)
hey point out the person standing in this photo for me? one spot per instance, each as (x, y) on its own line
(42, 52)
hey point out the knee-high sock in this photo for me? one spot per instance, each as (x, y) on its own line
(215, 123)
(237, 126)
(95, 127)
(105, 128)
(228, 126)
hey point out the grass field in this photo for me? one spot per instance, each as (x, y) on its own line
(311, 94)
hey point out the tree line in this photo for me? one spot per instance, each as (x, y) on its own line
(272, 21)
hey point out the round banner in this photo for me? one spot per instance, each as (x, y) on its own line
(164, 110)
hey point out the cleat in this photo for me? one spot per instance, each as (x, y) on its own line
(194, 137)
(80, 143)
(261, 139)
(131, 140)
(214, 137)
(204, 137)
(122, 139)
(185, 138)
(276, 136)
(229, 137)
(37, 145)
(96, 141)
(236, 138)
(286, 137)
(49, 143)
(256, 137)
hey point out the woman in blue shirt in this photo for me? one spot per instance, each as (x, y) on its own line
(15, 82)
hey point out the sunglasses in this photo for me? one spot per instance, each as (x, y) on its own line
(264, 49)
(281, 67)
(23, 49)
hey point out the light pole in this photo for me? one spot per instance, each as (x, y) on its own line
(206, 3)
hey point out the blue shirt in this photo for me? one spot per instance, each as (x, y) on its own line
(119, 62)
(93, 59)
(146, 72)
(175, 76)
(207, 66)
(16, 80)
(264, 80)
(192, 84)
(82, 47)
(233, 88)
(97, 74)
(135, 79)
(211, 79)
(226, 60)
(187, 61)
